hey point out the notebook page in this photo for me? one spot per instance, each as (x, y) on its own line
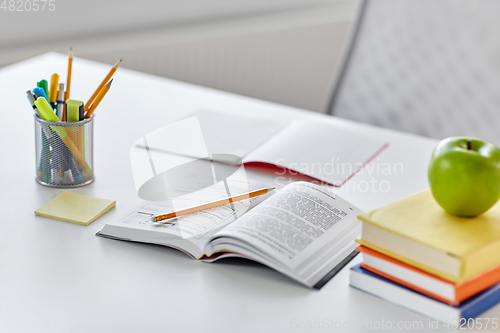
(327, 152)
(227, 133)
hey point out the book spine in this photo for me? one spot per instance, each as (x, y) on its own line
(420, 266)
(477, 283)
(408, 285)
(490, 298)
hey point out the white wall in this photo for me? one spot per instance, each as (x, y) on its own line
(279, 50)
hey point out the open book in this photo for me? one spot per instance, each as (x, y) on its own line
(328, 152)
(303, 231)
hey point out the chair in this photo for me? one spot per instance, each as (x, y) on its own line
(429, 67)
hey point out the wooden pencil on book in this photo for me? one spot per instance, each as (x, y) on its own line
(213, 204)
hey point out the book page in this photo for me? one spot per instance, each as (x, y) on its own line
(297, 223)
(190, 232)
(228, 133)
(325, 151)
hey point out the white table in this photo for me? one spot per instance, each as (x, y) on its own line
(59, 277)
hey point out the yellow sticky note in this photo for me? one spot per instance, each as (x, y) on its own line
(75, 208)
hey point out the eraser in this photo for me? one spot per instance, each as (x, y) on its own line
(73, 110)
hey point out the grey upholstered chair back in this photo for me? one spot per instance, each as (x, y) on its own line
(430, 67)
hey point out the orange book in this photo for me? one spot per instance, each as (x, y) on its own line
(424, 282)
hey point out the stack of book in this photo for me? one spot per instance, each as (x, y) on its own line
(418, 256)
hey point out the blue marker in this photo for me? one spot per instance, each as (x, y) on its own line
(40, 92)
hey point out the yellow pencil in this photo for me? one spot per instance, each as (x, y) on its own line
(68, 82)
(99, 98)
(209, 205)
(106, 79)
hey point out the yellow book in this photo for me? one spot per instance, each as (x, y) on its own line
(75, 208)
(417, 231)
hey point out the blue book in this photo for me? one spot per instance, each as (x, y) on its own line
(381, 287)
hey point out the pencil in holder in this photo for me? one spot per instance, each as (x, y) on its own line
(64, 152)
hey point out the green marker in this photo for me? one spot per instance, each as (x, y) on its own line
(44, 85)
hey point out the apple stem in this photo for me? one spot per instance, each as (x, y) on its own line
(469, 145)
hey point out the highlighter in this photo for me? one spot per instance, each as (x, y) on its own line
(54, 80)
(44, 85)
(41, 93)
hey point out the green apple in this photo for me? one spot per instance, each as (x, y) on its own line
(464, 175)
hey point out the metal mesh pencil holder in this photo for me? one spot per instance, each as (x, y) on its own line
(64, 152)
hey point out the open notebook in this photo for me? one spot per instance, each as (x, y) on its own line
(303, 231)
(324, 151)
